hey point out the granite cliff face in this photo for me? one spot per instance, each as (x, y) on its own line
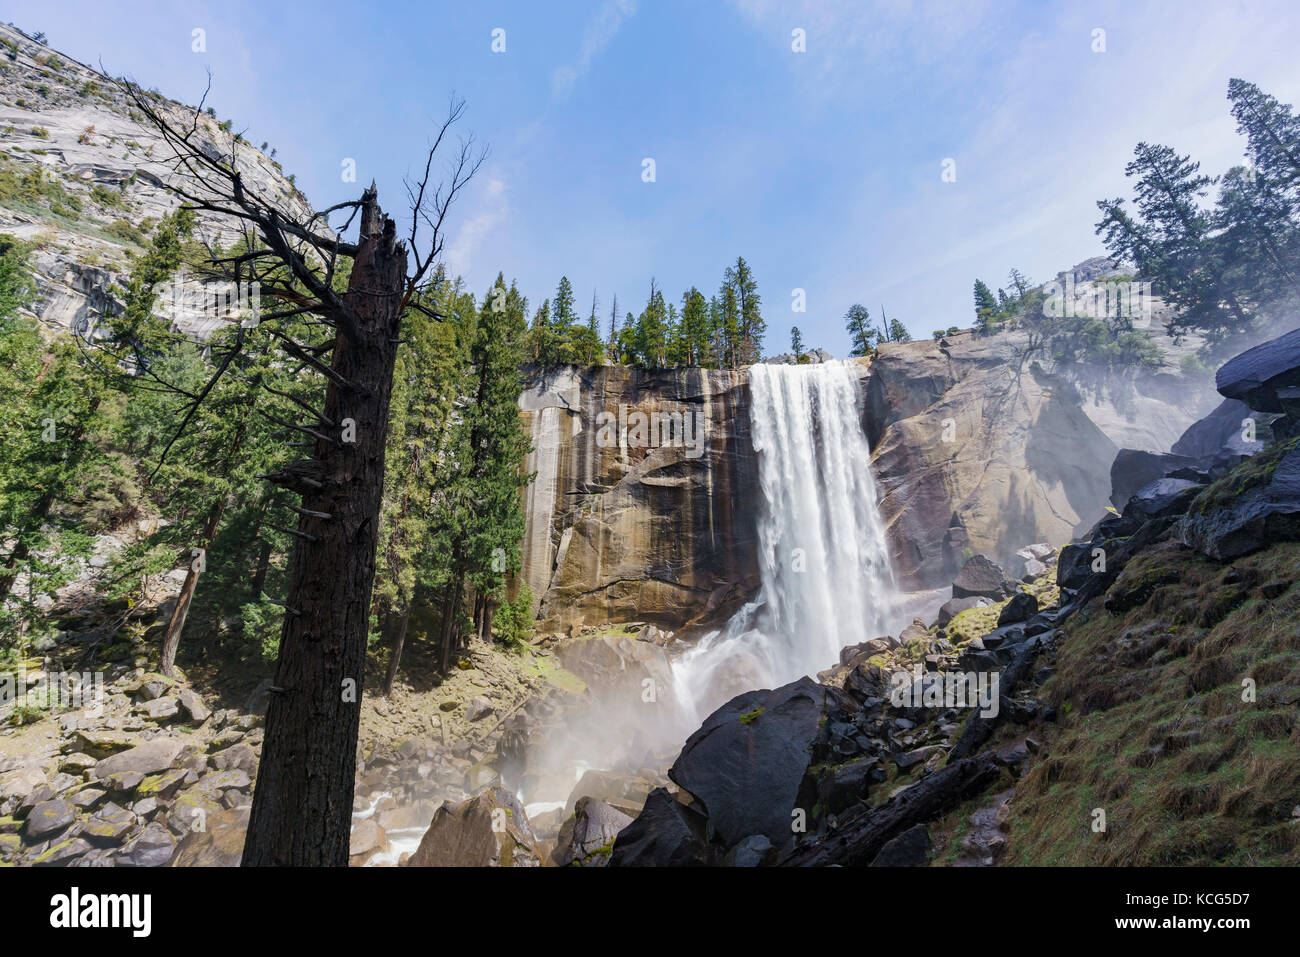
(979, 449)
(85, 180)
(623, 525)
(976, 448)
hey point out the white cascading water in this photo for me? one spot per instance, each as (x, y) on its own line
(826, 578)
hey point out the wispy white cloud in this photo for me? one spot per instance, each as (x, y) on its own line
(595, 37)
(491, 209)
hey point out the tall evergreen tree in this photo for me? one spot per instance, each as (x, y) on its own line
(751, 327)
(862, 336)
(485, 543)
(427, 441)
(986, 305)
(1171, 242)
(695, 329)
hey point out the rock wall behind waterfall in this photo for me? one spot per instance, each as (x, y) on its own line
(1026, 455)
(621, 532)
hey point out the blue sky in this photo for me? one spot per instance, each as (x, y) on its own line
(822, 168)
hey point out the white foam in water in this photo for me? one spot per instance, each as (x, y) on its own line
(823, 558)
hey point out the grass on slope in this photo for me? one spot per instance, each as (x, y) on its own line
(1158, 727)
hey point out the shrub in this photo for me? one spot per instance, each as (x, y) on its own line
(513, 623)
(106, 197)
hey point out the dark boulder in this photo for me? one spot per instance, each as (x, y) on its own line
(1132, 470)
(753, 851)
(955, 606)
(1018, 609)
(587, 838)
(843, 785)
(152, 847)
(1266, 512)
(747, 763)
(665, 834)
(1218, 433)
(1256, 375)
(48, 818)
(1165, 498)
(981, 577)
(912, 848)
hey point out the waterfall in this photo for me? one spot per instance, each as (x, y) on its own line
(825, 573)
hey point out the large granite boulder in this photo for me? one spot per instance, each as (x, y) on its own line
(981, 577)
(748, 763)
(488, 830)
(587, 838)
(667, 833)
(1252, 507)
(1256, 375)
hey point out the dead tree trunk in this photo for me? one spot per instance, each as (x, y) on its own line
(856, 842)
(302, 806)
(399, 641)
(172, 640)
(979, 728)
(450, 612)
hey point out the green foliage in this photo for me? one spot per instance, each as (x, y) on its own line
(865, 337)
(513, 623)
(127, 231)
(35, 190)
(47, 455)
(1228, 267)
(110, 198)
(862, 336)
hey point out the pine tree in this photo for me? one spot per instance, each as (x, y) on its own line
(48, 452)
(427, 441)
(862, 336)
(485, 540)
(796, 342)
(695, 329)
(612, 347)
(1171, 242)
(727, 324)
(750, 325)
(986, 305)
